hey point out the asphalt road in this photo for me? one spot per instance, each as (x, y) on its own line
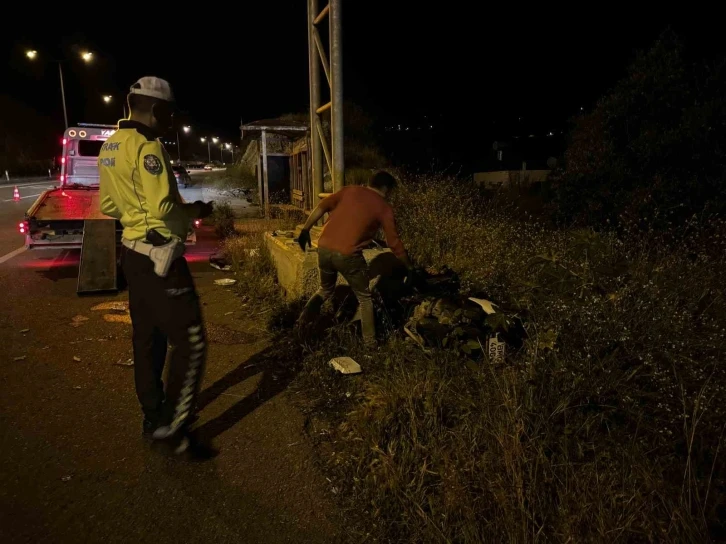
(73, 466)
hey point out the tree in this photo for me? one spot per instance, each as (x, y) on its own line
(28, 141)
(652, 151)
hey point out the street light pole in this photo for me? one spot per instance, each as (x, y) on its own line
(178, 147)
(63, 93)
(32, 54)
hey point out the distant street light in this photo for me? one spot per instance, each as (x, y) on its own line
(107, 99)
(87, 56)
(186, 130)
(209, 149)
(231, 148)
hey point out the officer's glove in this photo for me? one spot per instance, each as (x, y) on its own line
(205, 209)
(304, 239)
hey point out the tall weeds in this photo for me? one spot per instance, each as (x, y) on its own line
(607, 426)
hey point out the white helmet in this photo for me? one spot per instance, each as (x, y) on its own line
(154, 87)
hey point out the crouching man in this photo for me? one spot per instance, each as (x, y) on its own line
(356, 214)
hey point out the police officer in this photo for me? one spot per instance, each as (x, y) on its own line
(139, 189)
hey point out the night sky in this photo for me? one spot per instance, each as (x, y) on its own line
(471, 70)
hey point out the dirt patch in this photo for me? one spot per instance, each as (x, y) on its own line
(222, 334)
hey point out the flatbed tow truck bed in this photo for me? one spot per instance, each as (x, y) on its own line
(56, 220)
(68, 204)
(69, 216)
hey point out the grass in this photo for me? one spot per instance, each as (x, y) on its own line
(607, 426)
(223, 220)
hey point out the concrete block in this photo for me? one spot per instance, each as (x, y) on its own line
(297, 272)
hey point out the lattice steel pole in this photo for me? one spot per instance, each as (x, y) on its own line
(336, 92)
(316, 158)
(333, 152)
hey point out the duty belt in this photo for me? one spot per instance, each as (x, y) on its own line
(161, 256)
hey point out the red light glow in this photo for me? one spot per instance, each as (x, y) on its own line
(62, 178)
(65, 141)
(63, 160)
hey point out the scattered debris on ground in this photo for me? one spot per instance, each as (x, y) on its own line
(345, 365)
(225, 282)
(121, 362)
(220, 262)
(117, 306)
(434, 314)
(117, 318)
(78, 320)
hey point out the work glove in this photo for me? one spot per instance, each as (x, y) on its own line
(304, 239)
(205, 209)
(412, 277)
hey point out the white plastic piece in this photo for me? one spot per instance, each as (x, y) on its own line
(486, 305)
(496, 349)
(225, 282)
(345, 365)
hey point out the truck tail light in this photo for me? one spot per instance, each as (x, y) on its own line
(197, 222)
(23, 227)
(62, 178)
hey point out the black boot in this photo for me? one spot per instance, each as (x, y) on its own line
(149, 427)
(186, 447)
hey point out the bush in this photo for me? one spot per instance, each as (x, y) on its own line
(223, 220)
(649, 155)
(239, 177)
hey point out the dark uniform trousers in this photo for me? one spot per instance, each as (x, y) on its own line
(165, 311)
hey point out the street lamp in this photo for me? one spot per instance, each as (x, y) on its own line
(231, 148)
(107, 99)
(186, 130)
(209, 149)
(87, 56)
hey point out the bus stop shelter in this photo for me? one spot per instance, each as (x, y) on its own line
(299, 165)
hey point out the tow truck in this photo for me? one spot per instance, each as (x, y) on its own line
(68, 216)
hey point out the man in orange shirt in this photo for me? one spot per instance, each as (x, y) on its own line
(356, 214)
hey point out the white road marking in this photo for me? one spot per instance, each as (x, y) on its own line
(11, 187)
(12, 254)
(22, 197)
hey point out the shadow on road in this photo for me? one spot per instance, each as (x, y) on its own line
(278, 368)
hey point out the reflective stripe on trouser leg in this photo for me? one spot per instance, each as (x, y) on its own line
(183, 407)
